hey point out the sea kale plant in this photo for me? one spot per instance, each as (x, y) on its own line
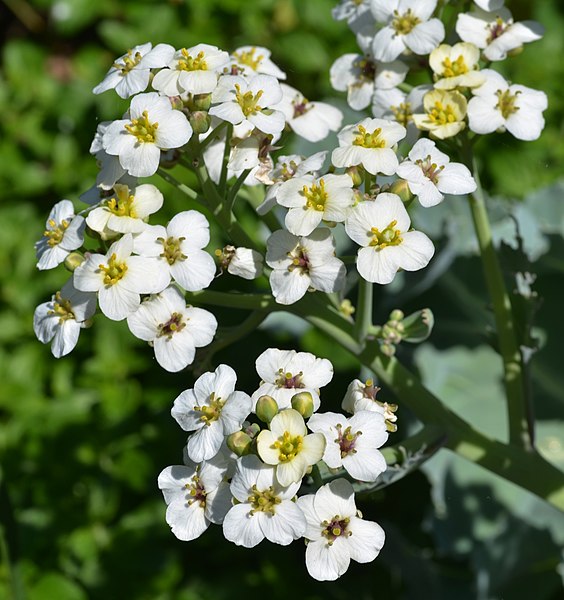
(320, 235)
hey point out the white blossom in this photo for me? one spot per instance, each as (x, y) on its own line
(498, 106)
(369, 143)
(303, 263)
(312, 200)
(489, 5)
(310, 120)
(495, 32)
(249, 102)
(212, 410)
(336, 533)
(111, 170)
(178, 249)
(356, 12)
(242, 262)
(288, 447)
(153, 125)
(407, 26)
(456, 66)
(127, 210)
(196, 495)
(381, 227)
(444, 113)
(131, 72)
(254, 60)
(174, 329)
(353, 443)
(60, 320)
(64, 232)
(430, 174)
(192, 70)
(120, 278)
(263, 509)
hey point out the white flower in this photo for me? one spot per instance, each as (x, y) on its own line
(196, 495)
(361, 396)
(251, 60)
(284, 373)
(110, 167)
(430, 174)
(126, 210)
(336, 533)
(174, 329)
(359, 75)
(456, 66)
(310, 120)
(64, 232)
(497, 106)
(369, 143)
(381, 227)
(251, 103)
(495, 32)
(194, 70)
(312, 200)
(286, 168)
(153, 125)
(288, 446)
(178, 249)
(444, 113)
(213, 410)
(356, 12)
(489, 5)
(264, 508)
(242, 262)
(60, 320)
(408, 26)
(352, 443)
(303, 263)
(120, 278)
(130, 73)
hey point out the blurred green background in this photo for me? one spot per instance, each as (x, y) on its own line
(82, 439)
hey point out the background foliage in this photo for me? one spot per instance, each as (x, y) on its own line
(83, 438)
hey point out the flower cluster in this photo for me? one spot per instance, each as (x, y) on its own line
(248, 457)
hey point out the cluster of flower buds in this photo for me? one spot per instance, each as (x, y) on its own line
(247, 456)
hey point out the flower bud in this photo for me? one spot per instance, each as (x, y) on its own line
(401, 189)
(396, 315)
(303, 403)
(201, 102)
(239, 443)
(355, 175)
(200, 121)
(73, 260)
(266, 408)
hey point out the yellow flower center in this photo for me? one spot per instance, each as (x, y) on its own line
(56, 233)
(122, 203)
(191, 63)
(114, 270)
(248, 58)
(403, 113)
(62, 307)
(441, 114)
(248, 101)
(265, 501)
(335, 528)
(196, 492)
(315, 196)
(172, 249)
(143, 129)
(454, 68)
(174, 324)
(130, 61)
(369, 140)
(403, 24)
(212, 411)
(506, 102)
(387, 237)
(288, 446)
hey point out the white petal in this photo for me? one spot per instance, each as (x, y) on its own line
(242, 528)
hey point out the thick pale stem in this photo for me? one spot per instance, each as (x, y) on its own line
(520, 428)
(363, 314)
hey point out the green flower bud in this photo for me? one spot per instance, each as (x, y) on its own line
(201, 102)
(266, 408)
(396, 315)
(73, 260)
(239, 443)
(200, 121)
(303, 403)
(356, 176)
(401, 188)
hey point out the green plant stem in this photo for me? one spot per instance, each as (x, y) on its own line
(520, 428)
(225, 161)
(363, 313)
(181, 186)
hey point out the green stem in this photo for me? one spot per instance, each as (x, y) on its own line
(363, 314)
(236, 187)
(520, 428)
(181, 186)
(225, 161)
(234, 300)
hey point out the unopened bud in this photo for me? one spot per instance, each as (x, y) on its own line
(240, 443)
(303, 403)
(73, 260)
(515, 51)
(355, 175)
(396, 315)
(266, 408)
(401, 189)
(251, 429)
(200, 121)
(201, 102)
(176, 102)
